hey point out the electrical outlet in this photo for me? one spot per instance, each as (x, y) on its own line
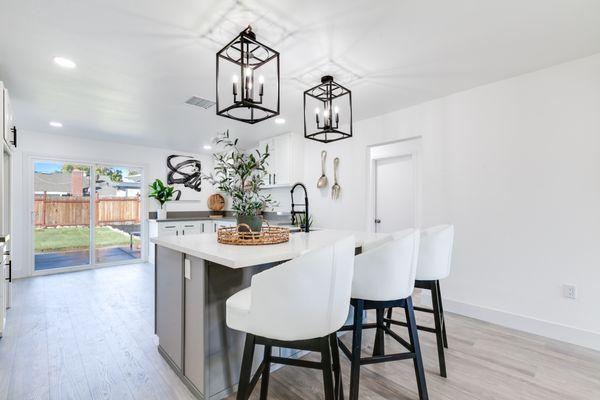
(569, 291)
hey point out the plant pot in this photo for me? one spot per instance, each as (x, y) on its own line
(161, 214)
(253, 221)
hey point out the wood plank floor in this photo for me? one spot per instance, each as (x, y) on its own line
(89, 335)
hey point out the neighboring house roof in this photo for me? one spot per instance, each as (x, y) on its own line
(127, 185)
(61, 182)
(57, 182)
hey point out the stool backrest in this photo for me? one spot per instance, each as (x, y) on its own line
(387, 271)
(305, 298)
(435, 254)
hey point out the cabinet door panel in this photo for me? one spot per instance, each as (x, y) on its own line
(169, 303)
(168, 229)
(191, 228)
(268, 179)
(282, 161)
(194, 323)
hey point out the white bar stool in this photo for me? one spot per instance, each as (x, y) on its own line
(435, 256)
(384, 276)
(299, 304)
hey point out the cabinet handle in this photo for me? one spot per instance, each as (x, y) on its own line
(202, 228)
(269, 179)
(183, 232)
(274, 179)
(9, 271)
(189, 226)
(169, 227)
(176, 233)
(14, 131)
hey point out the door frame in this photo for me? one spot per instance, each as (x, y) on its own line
(400, 148)
(29, 159)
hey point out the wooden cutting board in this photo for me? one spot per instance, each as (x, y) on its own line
(216, 202)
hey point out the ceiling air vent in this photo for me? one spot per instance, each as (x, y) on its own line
(200, 102)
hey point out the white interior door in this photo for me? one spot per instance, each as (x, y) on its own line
(395, 193)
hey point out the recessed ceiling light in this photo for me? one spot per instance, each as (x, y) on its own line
(207, 147)
(280, 121)
(56, 124)
(64, 62)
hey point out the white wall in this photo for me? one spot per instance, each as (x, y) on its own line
(56, 146)
(515, 166)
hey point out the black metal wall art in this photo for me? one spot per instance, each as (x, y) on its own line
(184, 170)
(247, 80)
(329, 100)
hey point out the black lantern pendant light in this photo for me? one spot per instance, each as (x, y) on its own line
(329, 100)
(247, 80)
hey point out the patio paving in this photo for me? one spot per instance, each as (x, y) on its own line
(61, 259)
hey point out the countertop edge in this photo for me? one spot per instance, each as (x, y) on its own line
(237, 262)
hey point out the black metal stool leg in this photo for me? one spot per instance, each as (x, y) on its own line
(264, 385)
(389, 316)
(337, 371)
(327, 365)
(379, 347)
(437, 319)
(356, 346)
(246, 369)
(439, 290)
(414, 342)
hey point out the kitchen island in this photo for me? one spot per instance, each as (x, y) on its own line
(194, 276)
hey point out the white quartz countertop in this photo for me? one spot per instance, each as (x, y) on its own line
(205, 246)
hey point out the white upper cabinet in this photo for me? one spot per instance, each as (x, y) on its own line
(282, 168)
(9, 130)
(282, 163)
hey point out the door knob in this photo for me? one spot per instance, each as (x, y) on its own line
(377, 221)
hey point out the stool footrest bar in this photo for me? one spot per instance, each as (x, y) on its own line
(296, 362)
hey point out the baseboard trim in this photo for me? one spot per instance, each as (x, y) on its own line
(523, 323)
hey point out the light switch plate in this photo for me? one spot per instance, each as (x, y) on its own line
(187, 269)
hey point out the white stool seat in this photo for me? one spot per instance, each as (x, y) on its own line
(304, 298)
(435, 254)
(238, 310)
(386, 270)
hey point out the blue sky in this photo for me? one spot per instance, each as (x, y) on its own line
(47, 167)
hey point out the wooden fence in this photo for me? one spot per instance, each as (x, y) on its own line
(51, 211)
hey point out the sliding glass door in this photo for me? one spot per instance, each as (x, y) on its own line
(62, 215)
(117, 212)
(69, 198)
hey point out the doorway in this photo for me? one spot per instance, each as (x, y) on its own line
(85, 214)
(395, 186)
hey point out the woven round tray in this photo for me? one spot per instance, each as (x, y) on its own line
(268, 235)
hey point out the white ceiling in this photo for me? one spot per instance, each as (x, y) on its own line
(140, 60)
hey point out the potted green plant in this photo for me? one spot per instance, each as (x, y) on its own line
(240, 176)
(162, 193)
(301, 221)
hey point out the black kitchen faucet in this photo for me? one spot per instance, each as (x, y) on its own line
(305, 205)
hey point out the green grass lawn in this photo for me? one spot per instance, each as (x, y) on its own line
(71, 238)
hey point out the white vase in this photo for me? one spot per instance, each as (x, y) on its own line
(161, 213)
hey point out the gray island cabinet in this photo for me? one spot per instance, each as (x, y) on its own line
(194, 276)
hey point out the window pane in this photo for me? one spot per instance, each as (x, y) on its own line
(117, 213)
(62, 214)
